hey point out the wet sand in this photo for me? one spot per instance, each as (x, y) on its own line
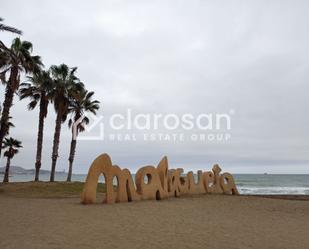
(188, 222)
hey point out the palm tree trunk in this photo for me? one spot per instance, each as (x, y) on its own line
(39, 145)
(7, 170)
(71, 158)
(7, 104)
(56, 145)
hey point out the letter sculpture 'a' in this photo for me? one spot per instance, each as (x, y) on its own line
(152, 183)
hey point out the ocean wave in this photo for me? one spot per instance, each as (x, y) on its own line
(273, 190)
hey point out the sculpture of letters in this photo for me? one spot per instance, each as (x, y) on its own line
(161, 182)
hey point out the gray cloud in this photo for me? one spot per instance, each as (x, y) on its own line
(179, 57)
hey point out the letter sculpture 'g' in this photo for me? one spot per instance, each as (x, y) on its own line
(160, 182)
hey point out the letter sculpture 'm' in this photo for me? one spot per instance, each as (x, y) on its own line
(160, 182)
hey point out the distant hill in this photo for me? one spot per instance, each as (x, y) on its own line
(17, 170)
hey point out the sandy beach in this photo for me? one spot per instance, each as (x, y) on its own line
(205, 221)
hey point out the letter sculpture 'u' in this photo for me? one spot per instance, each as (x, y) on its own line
(161, 182)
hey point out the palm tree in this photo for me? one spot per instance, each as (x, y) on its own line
(14, 61)
(66, 86)
(79, 107)
(38, 91)
(9, 124)
(12, 145)
(3, 27)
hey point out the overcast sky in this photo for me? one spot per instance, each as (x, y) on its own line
(177, 57)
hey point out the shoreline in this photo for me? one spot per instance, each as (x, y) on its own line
(60, 189)
(251, 184)
(284, 197)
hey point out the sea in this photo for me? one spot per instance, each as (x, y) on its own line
(252, 184)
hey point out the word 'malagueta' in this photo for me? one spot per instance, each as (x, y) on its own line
(160, 183)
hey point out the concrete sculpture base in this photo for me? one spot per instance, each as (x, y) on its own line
(160, 182)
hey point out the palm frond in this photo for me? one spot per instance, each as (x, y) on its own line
(12, 145)
(82, 104)
(32, 104)
(4, 27)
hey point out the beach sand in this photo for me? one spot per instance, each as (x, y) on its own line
(204, 221)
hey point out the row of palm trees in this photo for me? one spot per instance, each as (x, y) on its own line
(58, 85)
